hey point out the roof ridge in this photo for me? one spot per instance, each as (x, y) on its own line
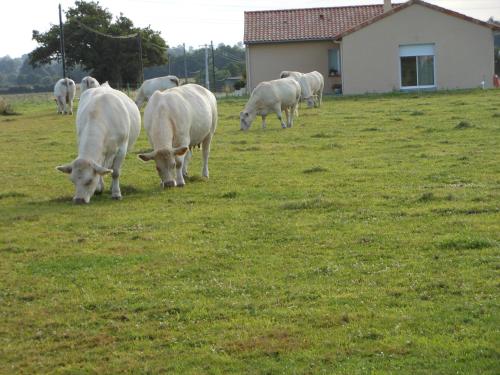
(318, 8)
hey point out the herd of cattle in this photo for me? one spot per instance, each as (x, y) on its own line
(176, 119)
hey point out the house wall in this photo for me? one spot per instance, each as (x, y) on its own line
(464, 53)
(266, 61)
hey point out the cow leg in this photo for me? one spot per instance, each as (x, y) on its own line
(287, 114)
(263, 121)
(187, 159)
(293, 110)
(100, 186)
(60, 105)
(277, 109)
(179, 180)
(117, 164)
(205, 148)
(71, 107)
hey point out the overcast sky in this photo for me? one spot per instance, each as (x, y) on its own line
(194, 22)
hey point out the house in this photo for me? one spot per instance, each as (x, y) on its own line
(372, 48)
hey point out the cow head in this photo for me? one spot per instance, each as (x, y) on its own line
(246, 119)
(85, 176)
(167, 160)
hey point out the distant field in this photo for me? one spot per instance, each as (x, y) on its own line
(364, 240)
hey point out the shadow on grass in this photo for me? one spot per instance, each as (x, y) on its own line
(12, 194)
(466, 243)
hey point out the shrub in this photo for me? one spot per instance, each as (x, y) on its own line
(239, 84)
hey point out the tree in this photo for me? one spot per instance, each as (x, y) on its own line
(87, 32)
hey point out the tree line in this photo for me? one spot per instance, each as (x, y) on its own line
(114, 50)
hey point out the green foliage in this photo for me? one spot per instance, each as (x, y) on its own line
(108, 59)
(384, 260)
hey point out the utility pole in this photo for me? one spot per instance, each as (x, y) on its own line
(213, 66)
(139, 41)
(207, 80)
(185, 64)
(169, 58)
(61, 40)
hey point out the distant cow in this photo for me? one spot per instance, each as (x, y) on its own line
(149, 86)
(176, 120)
(64, 92)
(88, 82)
(311, 85)
(272, 96)
(108, 123)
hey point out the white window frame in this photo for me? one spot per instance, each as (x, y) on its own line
(416, 50)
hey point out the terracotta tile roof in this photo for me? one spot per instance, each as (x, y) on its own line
(305, 24)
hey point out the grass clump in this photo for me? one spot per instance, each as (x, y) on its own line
(466, 243)
(463, 125)
(315, 169)
(6, 109)
(308, 204)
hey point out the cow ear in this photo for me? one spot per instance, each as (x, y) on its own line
(65, 168)
(101, 170)
(179, 151)
(147, 156)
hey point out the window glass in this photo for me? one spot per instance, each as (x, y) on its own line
(334, 61)
(426, 70)
(408, 71)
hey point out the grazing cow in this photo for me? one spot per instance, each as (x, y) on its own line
(88, 82)
(149, 86)
(176, 120)
(311, 85)
(108, 123)
(64, 91)
(272, 96)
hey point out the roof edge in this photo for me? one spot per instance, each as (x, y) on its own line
(400, 7)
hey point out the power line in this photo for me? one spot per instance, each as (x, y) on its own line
(102, 34)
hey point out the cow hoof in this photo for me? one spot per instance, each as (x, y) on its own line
(79, 201)
(117, 197)
(180, 185)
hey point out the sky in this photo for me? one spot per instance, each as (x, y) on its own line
(194, 22)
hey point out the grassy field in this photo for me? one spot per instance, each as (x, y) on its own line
(364, 240)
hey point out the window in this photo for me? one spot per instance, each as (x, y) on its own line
(334, 62)
(417, 66)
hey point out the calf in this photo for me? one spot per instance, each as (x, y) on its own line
(88, 82)
(64, 92)
(149, 86)
(272, 96)
(311, 86)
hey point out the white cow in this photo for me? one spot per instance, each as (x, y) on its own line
(149, 86)
(64, 91)
(176, 120)
(311, 84)
(272, 96)
(88, 82)
(108, 123)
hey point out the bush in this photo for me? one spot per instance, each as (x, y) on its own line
(6, 109)
(239, 84)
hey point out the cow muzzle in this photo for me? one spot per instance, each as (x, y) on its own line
(79, 200)
(168, 184)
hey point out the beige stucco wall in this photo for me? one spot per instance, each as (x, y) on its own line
(266, 61)
(464, 54)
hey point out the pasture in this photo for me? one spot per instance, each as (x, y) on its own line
(363, 240)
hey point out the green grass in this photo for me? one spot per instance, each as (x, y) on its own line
(363, 240)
